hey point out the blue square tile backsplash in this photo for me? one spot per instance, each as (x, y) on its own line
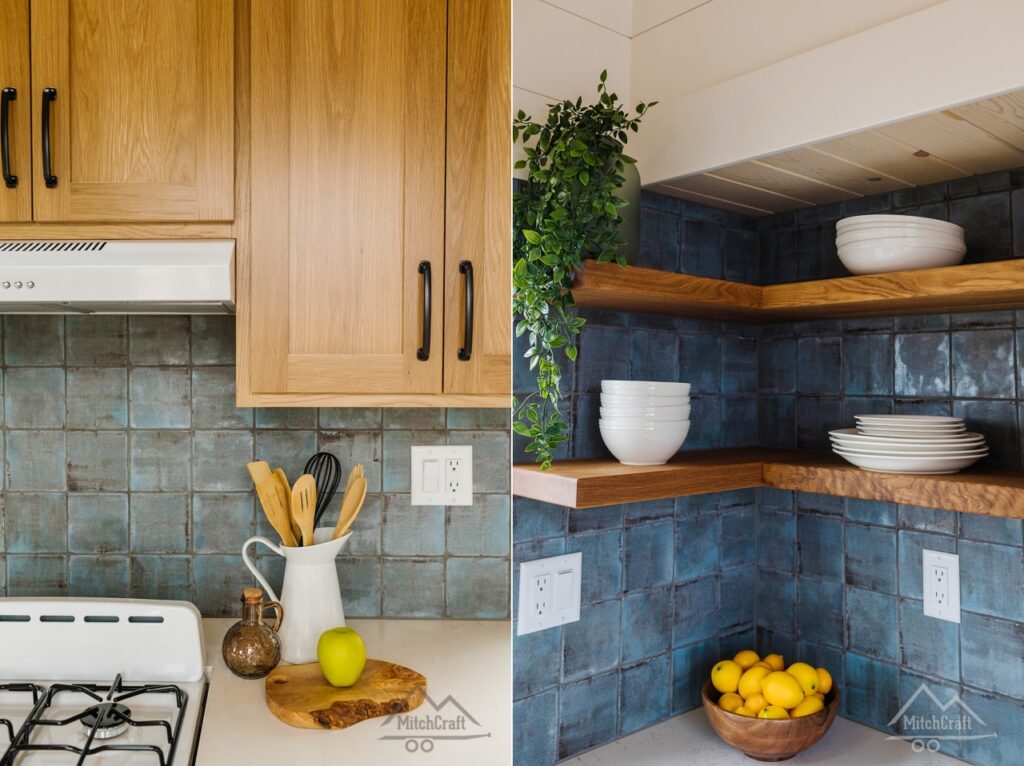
(124, 475)
(835, 580)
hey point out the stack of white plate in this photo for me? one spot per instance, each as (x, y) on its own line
(875, 244)
(644, 422)
(909, 444)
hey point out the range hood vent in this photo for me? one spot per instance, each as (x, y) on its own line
(117, 277)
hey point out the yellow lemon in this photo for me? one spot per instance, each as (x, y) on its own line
(819, 695)
(806, 675)
(808, 706)
(730, 701)
(762, 664)
(745, 711)
(781, 689)
(750, 681)
(757, 703)
(746, 658)
(725, 676)
(773, 711)
(775, 661)
(824, 681)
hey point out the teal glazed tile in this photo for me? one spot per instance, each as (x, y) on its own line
(646, 624)
(33, 340)
(921, 705)
(648, 553)
(591, 645)
(872, 691)
(809, 502)
(359, 578)
(414, 418)
(37, 575)
(98, 523)
(737, 546)
(480, 529)
(351, 418)
(98, 576)
(97, 461)
(776, 601)
(161, 577)
(603, 553)
(871, 512)
(397, 457)
(536, 661)
(871, 557)
(928, 645)
(819, 542)
(213, 400)
(776, 544)
(695, 611)
(97, 397)
(213, 340)
(872, 624)
(644, 697)
(922, 364)
(160, 461)
(280, 418)
(588, 714)
(691, 667)
(412, 530)
(478, 418)
(159, 522)
(219, 582)
(352, 447)
(991, 529)
(867, 364)
(983, 364)
(34, 397)
(653, 355)
(649, 510)
(820, 616)
(159, 397)
(36, 522)
(991, 650)
(96, 341)
(222, 522)
(155, 340)
(288, 450)
(535, 729)
(476, 588)
(36, 460)
(413, 588)
(910, 545)
(696, 547)
(700, 363)
(990, 575)
(365, 530)
(1002, 716)
(737, 597)
(928, 519)
(219, 461)
(490, 450)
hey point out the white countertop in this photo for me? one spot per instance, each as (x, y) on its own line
(689, 738)
(468, 660)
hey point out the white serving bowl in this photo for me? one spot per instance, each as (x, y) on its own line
(842, 240)
(658, 423)
(642, 401)
(909, 221)
(680, 412)
(885, 255)
(644, 388)
(643, 445)
(901, 231)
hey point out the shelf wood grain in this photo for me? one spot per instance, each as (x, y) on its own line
(593, 483)
(984, 286)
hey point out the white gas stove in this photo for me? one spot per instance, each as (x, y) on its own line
(98, 682)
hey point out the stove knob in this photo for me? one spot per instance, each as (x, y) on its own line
(7, 285)
(17, 285)
(30, 285)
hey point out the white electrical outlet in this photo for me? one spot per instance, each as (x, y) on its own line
(441, 475)
(549, 592)
(940, 585)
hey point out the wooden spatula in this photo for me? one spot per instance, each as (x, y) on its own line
(304, 506)
(259, 471)
(284, 488)
(277, 513)
(350, 507)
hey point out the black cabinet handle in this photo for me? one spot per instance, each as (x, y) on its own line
(466, 269)
(49, 96)
(423, 352)
(6, 97)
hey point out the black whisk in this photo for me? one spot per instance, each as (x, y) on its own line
(326, 472)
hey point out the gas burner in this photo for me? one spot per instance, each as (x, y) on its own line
(109, 720)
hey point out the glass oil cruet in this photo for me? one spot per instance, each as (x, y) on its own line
(251, 647)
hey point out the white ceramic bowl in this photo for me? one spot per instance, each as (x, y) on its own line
(644, 388)
(643, 446)
(911, 464)
(885, 255)
(654, 423)
(844, 240)
(680, 412)
(910, 221)
(643, 402)
(869, 230)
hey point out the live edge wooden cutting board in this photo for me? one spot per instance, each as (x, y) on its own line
(299, 695)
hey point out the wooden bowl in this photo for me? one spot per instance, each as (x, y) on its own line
(769, 739)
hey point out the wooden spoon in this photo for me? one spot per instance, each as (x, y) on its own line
(350, 507)
(277, 513)
(285, 491)
(304, 506)
(259, 471)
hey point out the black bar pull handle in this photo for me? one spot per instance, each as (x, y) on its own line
(423, 352)
(466, 269)
(49, 96)
(6, 97)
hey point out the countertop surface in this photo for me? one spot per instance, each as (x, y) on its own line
(468, 661)
(689, 738)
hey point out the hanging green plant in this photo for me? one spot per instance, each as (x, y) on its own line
(567, 210)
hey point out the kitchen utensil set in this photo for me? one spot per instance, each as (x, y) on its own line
(876, 244)
(644, 422)
(920, 444)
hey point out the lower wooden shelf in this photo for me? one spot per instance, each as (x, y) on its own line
(592, 483)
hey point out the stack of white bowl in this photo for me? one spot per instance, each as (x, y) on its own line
(876, 244)
(644, 422)
(909, 444)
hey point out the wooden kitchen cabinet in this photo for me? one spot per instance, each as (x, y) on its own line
(15, 124)
(350, 290)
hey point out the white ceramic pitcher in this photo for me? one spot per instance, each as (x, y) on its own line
(311, 597)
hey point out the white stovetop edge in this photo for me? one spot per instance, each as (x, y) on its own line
(689, 738)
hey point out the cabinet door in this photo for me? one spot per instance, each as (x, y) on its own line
(141, 117)
(478, 222)
(347, 157)
(16, 185)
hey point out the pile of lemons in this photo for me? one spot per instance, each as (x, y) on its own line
(761, 688)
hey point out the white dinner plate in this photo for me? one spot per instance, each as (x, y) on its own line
(927, 453)
(852, 434)
(911, 420)
(917, 465)
(907, 449)
(910, 433)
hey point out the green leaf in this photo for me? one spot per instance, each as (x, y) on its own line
(531, 236)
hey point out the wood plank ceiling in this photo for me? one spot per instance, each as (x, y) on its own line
(981, 137)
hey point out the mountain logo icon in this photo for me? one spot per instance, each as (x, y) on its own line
(444, 721)
(953, 720)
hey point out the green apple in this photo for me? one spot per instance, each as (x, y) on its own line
(342, 655)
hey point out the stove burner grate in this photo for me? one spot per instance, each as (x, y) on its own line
(35, 691)
(109, 720)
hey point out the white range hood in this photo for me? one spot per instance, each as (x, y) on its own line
(117, 277)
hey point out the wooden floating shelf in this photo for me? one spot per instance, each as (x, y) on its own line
(979, 286)
(592, 483)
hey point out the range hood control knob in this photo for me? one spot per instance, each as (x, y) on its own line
(17, 285)
(7, 285)
(30, 285)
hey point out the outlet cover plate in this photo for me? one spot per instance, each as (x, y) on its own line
(549, 592)
(940, 584)
(441, 475)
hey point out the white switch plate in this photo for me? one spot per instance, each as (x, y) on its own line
(549, 592)
(941, 585)
(442, 475)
